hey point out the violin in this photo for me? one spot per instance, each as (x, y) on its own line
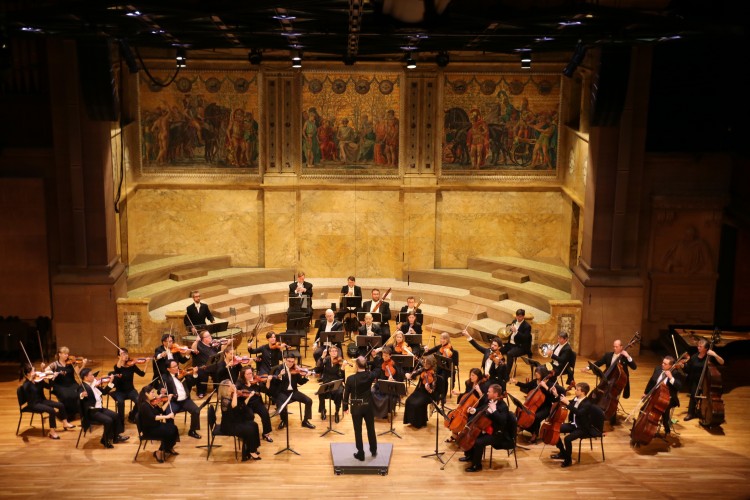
(217, 343)
(243, 360)
(257, 378)
(245, 393)
(159, 400)
(74, 360)
(428, 379)
(179, 348)
(137, 361)
(42, 376)
(446, 350)
(497, 357)
(389, 368)
(278, 345)
(106, 380)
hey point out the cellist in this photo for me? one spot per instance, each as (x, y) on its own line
(694, 369)
(503, 428)
(620, 355)
(663, 375)
(579, 425)
(542, 412)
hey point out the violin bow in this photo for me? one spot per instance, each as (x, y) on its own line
(118, 347)
(164, 383)
(27, 355)
(41, 351)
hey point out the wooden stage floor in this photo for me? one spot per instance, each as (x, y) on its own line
(698, 463)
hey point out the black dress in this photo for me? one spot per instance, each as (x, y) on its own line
(329, 373)
(233, 422)
(383, 404)
(415, 407)
(163, 430)
(65, 387)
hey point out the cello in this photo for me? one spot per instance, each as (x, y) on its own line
(478, 424)
(457, 419)
(711, 406)
(655, 403)
(526, 413)
(549, 430)
(606, 395)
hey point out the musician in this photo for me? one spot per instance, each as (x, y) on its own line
(503, 428)
(270, 354)
(579, 418)
(620, 355)
(234, 423)
(540, 373)
(351, 289)
(410, 306)
(197, 314)
(330, 367)
(329, 324)
(228, 367)
(35, 399)
(164, 354)
(254, 403)
(663, 375)
(415, 406)
(369, 328)
(204, 348)
(286, 378)
(563, 356)
(493, 364)
(157, 421)
(401, 347)
(91, 400)
(124, 388)
(380, 305)
(181, 397)
(411, 326)
(65, 387)
(357, 393)
(385, 368)
(446, 350)
(520, 339)
(694, 369)
(302, 289)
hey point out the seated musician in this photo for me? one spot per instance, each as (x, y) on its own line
(181, 396)
(228, 368)
(351, 289)
(35, 399)
(579, 422)
(493, 364)
(411, 326)
(286, 379)
(410, 306)
(694, 369)
(385, 369)
(400, 346)
(503, 428)
(164, 354)
(234, 423)
(477, 383)
(328, 324)
(65, 387)
(124, 388)
(663, 375)
(446, 350)
(91, 397)
(608, 359)
(542, 412)
(519, 343)
(157, 421)
(204, 348)
(378, 304)
(197, 314)
(247, 381)
(415, 406)
(369, 329)
(562, 356)
(330, 367)
(270, 354)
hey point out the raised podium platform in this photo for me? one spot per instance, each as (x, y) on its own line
(345, 463)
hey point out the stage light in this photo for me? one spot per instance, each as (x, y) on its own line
(410, 62)
(254, 56)
(296, 59)
(181, 58)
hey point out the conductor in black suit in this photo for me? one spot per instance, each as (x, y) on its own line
(197, 314)
(357, 393)
(384, 309)
(519, 343)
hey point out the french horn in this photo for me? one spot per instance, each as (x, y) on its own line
(546, 350)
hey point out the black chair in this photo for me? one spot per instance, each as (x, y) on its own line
(596, 430)
(142, 436)
(214, 430)
(456, 371)
(86, 422)
(23, 407)
(513, 424)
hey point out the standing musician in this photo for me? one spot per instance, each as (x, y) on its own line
(330, 367)
(247, 381)
(91, 396)
(415, 406)
(385, 369)
(446, 350)
(270, 354)
(286, 378)
(328, 324)
(33, 393)
(302, 289)
(163, 354)
(493, 364)
(664, 375)
(197, 314)
(65, 386)
(503, 428)
(357, 393)
(157, 421)
(580, 422)
(235, 423)
(563, 355)
(694, 369)
(181, 396)
(204, 348)
(620, 355)
(378, 304)
(520, 339)
(124, 388)
(542, 412)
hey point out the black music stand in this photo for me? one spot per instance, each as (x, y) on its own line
(279, 409)
(296, 304)
(444, 363)
(370, 341)
(218, 327)
(405, 360)
(403, 317)
(394, 389)
(205, 403)
(438, 412)
(352, 303)
(532, 363)
(413, 338)
(293, 340)
(332, 338)
(376, 316)
(596, 371)
(328, 388)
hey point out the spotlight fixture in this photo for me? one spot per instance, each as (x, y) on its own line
(442, 59)
(254, 56)
(296, 59)
(575, 60)
(349, 60)
(526, 59)
(410, 62)
(181, 58)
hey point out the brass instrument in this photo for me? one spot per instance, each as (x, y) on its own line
(546, 350)
(504, 334)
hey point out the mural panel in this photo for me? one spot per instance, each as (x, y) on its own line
(495, 123)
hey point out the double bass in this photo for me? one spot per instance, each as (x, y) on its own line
(606, 395)
(710, 404)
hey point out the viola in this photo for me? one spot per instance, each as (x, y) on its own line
(446, 350)
(74, 360)
(606, 395)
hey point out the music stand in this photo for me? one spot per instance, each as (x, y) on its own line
(328, 388)
(332, 338)
(293, 340)
(354, 302)
(532, 363)
(205, 403)
(295, 303)
(413, 339)
(218, 327)
(298, 323)
(404, 360)
(279, 409)
(403, 317)
(376, 316)
(438, 412)
(393, 389)
(596, 371)
(371, 341)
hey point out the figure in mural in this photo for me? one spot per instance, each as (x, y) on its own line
(391, 138)
(347, 139)
(161, 132)
(236, 137)
(690, 255)
(250, 140)
(311, 147)
(366, 140)
(546, 126)
(478, 139)
(380, 132)
(327, 141)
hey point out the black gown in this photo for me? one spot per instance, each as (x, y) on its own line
(234, 422)
(415, 407)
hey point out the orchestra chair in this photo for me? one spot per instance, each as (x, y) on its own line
(214, 430)
(86, 422)
(514, 427)
(596, 430)
(142, 436)
(529, 354)
(455, 370)
(23, 407)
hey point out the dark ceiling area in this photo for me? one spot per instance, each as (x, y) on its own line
(373, 30)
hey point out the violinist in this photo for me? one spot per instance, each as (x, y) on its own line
(248, 383)
(357, 393)
(542, 412)
(400, 346)
(385, 368)
(620, 355)
(328, 324)
(694, 369)
(33, 393)
(234, 423)
(204, 348)
(286, 379)
(663, 375)
(330, 367)
(415, 406)
(563, 355)
(124, 388)
(270, 354)
(164, 353)
(579, 422)
(157, 421)
(378, 304)
(64, 385)
(519, 343)
(181, 396)
(197, 314)
(228, 367)
(91, 400)
(493, 364)
(503, 428)
(446, 350)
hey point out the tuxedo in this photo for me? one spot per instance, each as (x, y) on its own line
(187, 404)
(606, 361)
(113, 426)
(197, 316)
(503, 432)
(519, 342)
(281, 391)
(375, 329)
(578, 426)
(565, 356)
(674, 389)
(160, 364)
(384, 310)
(417, 327)
(337, 326)
(497, 373)
(345, 290)
(308, 293)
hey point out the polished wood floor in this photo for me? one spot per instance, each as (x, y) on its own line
(698, 463)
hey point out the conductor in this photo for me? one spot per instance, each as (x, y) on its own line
(357, 389)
